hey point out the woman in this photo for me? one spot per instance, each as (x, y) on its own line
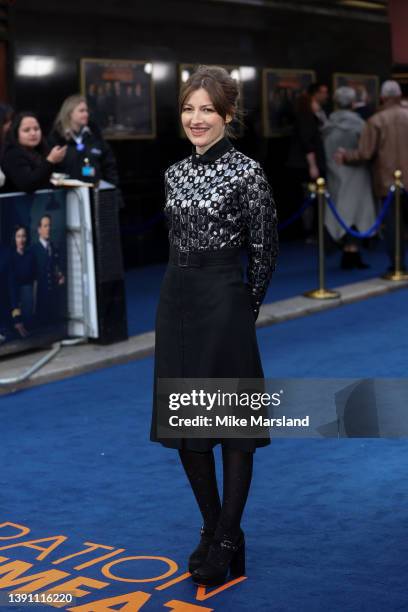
(24, 271)
(349, 186)
(27, 162)
(89, 157)
(217, 202)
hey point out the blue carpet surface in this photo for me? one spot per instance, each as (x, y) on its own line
(326, 521)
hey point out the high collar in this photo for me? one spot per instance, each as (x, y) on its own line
(213, 153)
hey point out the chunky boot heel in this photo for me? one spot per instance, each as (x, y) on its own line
(199, 555)
(237, 566)
(224, 556)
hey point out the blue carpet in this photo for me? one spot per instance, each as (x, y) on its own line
(326, 522)
(295, 274)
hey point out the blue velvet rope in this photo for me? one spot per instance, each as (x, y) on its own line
(308, 201)
(385, 206)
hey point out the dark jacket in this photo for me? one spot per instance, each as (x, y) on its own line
(96, 149)
(25, 170)
(307, 139)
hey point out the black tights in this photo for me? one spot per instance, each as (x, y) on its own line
(237, 468)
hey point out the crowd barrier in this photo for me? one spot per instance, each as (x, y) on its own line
(61, 269)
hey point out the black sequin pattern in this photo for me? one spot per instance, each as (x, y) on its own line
(224, 203)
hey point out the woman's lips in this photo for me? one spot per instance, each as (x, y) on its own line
(198, 131)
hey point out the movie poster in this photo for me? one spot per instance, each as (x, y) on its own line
(33, 277)
(280, 89)
(120, 96)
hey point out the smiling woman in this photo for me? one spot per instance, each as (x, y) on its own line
(218, 202)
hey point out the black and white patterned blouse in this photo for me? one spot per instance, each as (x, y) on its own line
(222, 199)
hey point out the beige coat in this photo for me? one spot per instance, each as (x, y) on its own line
(385, 141)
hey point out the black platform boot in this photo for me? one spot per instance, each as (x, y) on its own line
(199, 555)
(224, 556)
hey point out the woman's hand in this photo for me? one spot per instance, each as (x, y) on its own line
(57, 154)
(340, 156)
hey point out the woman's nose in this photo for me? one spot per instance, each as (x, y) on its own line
(196, 118)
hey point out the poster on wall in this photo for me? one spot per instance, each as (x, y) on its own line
(186, 70)
(33, 287)
(366, 87)
(120, 96)
(281, 88)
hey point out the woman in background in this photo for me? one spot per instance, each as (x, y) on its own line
(28, 162)
(349, 185)
(89, 157)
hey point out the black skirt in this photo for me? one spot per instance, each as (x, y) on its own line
(205, 328)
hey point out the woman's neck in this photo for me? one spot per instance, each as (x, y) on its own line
(202, 150)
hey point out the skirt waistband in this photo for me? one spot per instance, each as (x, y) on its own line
(198, 259)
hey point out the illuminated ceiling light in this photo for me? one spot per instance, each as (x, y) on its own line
(364, 4)
(35, 66)
(160, 71)
(148, 68)
(185, 75)
(247, 73)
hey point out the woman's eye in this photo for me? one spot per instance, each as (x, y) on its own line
(209, 110)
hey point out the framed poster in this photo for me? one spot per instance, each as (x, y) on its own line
(186, 70)
(366, 87)
(281, 87)
(120, 96)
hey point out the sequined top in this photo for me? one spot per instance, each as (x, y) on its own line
(222, 199)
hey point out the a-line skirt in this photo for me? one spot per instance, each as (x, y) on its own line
(205, 328)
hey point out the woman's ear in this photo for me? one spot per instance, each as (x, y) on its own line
(228, 118)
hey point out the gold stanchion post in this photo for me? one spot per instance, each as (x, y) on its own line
(321, 293)
(398, 274)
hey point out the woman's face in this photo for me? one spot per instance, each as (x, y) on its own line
(201, 122)
(29, 132)
(80, 115)
(21, 238)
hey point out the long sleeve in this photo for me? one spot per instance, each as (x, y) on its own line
(23, 175)
(108, 165)
(307, 132)
(262, 235)
(367, 146)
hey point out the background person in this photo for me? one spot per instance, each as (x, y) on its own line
(218, 202)
(384, 141)
(83, 141)
(349, 186)
(28, 162)
(306, 159)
